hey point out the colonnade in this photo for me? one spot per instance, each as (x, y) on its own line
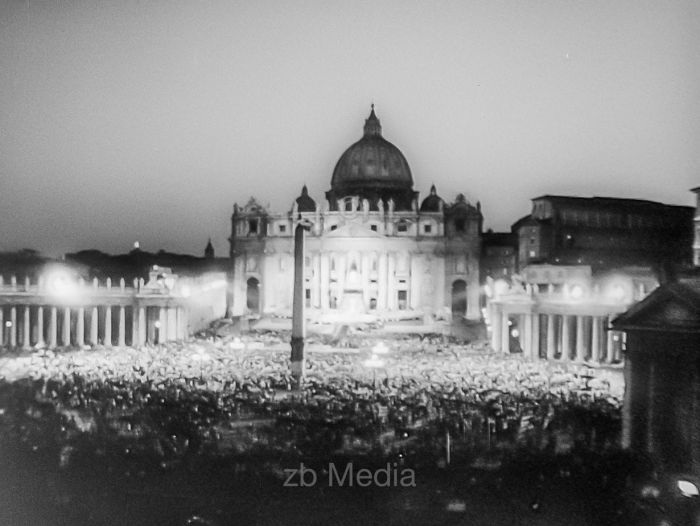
(556, 336)
(39, 325)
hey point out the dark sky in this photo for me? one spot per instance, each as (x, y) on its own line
(125, 120)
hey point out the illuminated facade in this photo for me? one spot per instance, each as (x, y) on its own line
(371, 247)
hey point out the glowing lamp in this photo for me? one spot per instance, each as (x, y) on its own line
(515, 333)
(185, 291)
(576, 292)
(687, 488)
(380, 348)
(8, 324)
(500, 287)
(157, 325)
(60, 284)
(618, 292)
(374, 362)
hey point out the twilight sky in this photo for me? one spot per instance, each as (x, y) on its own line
(127, 120)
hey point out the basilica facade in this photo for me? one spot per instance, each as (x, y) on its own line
(372, 247)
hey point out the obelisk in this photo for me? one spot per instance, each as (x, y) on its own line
(298, 323)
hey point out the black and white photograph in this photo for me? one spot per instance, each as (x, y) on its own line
(389, 262)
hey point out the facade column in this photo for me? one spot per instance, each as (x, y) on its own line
(341, 267)
(364, 259)
(391, 282)
(316, 280)
(2, 322)
(53, 328)
(382, 282)
(595, 338)
(325, 282)
(108, 326)
(80, 328)
(505, 333)
(40, 326)
(580, 339)
(65, 337)
(121, 336)
(535, 350)
(551, 337)
(414, 282)
(565, 338)
(26, 326)
(94, 327)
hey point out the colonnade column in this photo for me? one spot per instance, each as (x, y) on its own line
(108, 326)
(163, 329)
(526, 340)
(13, 326)
(505, 333)
(141, 325)
(535, 348)
(551, 337)
(2, 324)
(94, 326)
(565, 339)
(26, 332)
(580, 339)
(40, 326)
(65, 336)
(595, 338)
(172, 324)
(121, 336)
(609, 343)
(80, 328)
(495, 317)
(53, 328)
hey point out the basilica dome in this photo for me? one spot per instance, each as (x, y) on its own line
(373, 168)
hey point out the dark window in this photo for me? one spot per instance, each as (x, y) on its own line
(427, 229)
(283, 229)
(403, 227)
(333, 227)
(348, 205)
(307, 298)
(403, 299)
(253, 226)
(372, 303)
(460, 224)
(373, 228)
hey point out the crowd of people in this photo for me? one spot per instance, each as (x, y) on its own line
(237, 397)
